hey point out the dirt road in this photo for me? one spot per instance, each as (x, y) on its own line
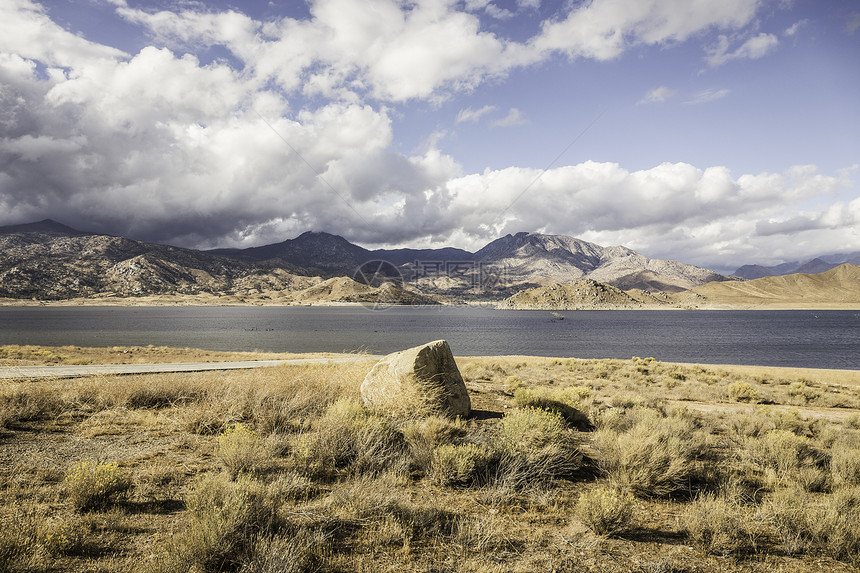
(62, 371)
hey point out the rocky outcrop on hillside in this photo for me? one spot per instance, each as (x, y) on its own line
(550, 259)
(48, 261)
(577, 295)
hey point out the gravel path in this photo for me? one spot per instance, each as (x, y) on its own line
(61, 371)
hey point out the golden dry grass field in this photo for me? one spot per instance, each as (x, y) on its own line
(565, 465)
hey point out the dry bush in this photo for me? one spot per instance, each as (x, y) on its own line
(424, 435)
(98, 393)
(24, 402)
(803, 392)
(292, 486)
(606, 511)
(656, 457)
(839, 526)
(483, 536)
(293, 395)
(567, 402)
(93, 486)
(787, 458)
(240, 449)
(795, 519)
(381, 504)
(845, 465)
(306, 550)
(750, 425)
(224, 518)
(536, 446)
(720, 525)
(463, 464)
(350, 437)
(742, 392)
(19, 532)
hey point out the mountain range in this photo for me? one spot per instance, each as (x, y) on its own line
(48, 260)
(816, 265)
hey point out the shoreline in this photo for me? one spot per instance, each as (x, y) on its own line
(225, 301)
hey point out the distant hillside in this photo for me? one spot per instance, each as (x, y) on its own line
(550, 259)
(576, 295)
(45, 227)
(836, 287)
(816, 265)
(327, 254)
(50, 261)
(521, 259)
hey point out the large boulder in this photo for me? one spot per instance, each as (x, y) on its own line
(421, 378)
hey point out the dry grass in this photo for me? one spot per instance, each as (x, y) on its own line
(284, 469)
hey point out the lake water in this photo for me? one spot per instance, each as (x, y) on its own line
(815, 339)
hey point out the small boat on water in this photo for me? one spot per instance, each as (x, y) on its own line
(557, 316)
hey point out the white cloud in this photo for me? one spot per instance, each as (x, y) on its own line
(795, 28)
(658, 95)
(428, 49)
(603, 29)
(514, 118)
(703, 216)
(852, 23)
(707, 96)
(499, 13)
(26, 30)
(161, 147)
(752, 49)
(473, 115)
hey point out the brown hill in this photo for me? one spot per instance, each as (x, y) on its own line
(576, 295)
(837, 288)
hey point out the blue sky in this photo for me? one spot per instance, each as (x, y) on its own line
(715, 132)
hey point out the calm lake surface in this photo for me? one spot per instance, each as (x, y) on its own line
(814, 339)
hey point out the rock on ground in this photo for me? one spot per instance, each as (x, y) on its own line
(417, 378)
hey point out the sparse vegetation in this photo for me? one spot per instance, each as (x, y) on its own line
(93, 486)
(605, 511)
(284, 469)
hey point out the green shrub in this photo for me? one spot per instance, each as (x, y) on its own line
(530, 429)
(240, 449)
(742, 392)
(605, 511)
(93, 486)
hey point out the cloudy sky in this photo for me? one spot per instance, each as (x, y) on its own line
(715, 132)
